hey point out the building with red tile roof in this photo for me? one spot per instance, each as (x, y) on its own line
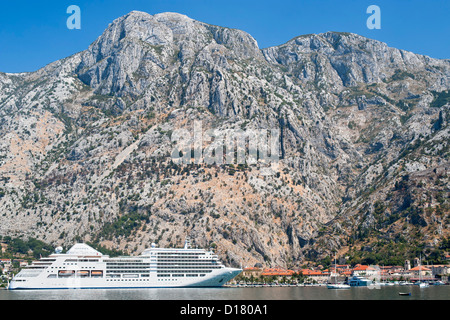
(316, 275)
(420, 270)
(277, 272)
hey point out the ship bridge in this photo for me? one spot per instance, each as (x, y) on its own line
(81, 249)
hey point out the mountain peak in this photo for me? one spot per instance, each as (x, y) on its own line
(137, 13)
(140, 41)
(172, 16)
(162, 17)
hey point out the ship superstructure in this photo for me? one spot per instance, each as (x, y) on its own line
(83, 267)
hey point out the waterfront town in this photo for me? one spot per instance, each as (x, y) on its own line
(410, 272)
(413, 271)
(257, 275)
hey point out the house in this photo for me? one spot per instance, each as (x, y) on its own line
(346, 273)
(315, 275)
(420, 271)
(392, 272)
(342, 267)
(277, 272)
(363, 270)
(440, 270)
(250, 272)
(5, 265)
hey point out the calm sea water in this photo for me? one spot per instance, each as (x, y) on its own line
(271, 293)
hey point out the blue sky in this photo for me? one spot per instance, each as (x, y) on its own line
(34, 33)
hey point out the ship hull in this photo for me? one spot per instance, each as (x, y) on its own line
(215, 279)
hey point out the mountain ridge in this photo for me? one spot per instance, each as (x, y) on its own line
(87, 142)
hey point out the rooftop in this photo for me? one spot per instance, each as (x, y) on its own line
(420, 268)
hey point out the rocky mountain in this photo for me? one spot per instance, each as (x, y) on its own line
(87, 147)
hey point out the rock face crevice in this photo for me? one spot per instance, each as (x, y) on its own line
(87, 142)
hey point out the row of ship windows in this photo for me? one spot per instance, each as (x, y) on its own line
(184, 257)
(126, 271)
(189, 264)
(126, 279)
(127, 263)
(74, 276)
(81, 260)
(179, 275)
(134, 278)
(166, 275)
(187, 260)
(160, 276)
(165, 255)
(140, 262)
(190, 267)
(143, 269)
(159, 271)
(107, 261)
(184, 271)
(184, 262)
(124, 261)
(123, 267)
(162, 261)
(180, 253)
(198, 256)
(74, 264)
(184, 265)
(113, 280)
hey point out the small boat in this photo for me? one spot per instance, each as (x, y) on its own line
(423, 285)
(404, 293)
(338, 286)
(385, 283)
(358, 281)
(66, 273)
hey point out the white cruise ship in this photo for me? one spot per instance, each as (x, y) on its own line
(82, 267)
